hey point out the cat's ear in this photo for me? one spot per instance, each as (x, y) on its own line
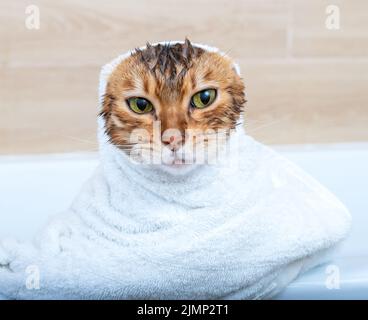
(148, 56)
(236, 68)
(188, 49)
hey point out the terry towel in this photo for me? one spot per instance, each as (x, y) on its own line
(241, 229)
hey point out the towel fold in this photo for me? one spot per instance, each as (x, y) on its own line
(242, 228)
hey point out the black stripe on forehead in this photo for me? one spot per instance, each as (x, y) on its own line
(170, 61)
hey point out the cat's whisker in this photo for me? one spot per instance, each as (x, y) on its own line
(125, 148)
(127, 144)
(91, 142)
(268, 124)
(227, 52)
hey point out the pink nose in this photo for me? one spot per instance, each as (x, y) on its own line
(172, 141)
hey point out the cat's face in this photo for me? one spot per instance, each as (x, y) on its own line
(160, 96)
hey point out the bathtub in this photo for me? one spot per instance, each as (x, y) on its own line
(34, 187)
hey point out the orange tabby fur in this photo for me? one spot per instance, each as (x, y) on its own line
(168, 76)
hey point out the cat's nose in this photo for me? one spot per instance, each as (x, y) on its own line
(173, 142)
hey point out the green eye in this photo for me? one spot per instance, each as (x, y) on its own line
(140, 105)
(203, 99)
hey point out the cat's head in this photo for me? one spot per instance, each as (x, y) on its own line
(172, 101)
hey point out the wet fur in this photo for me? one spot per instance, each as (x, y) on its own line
(168, 76)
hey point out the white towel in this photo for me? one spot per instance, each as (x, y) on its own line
(243, 228)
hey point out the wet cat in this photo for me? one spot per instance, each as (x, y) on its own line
(159, 219)
(174, 98)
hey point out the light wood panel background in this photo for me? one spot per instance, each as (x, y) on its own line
(305, 84)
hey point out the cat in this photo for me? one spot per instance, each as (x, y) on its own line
(169, 214)
(188, 92)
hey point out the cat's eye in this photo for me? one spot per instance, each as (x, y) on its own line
(203, 99)
(140, 105)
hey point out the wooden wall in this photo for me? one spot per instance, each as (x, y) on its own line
(305, 83)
